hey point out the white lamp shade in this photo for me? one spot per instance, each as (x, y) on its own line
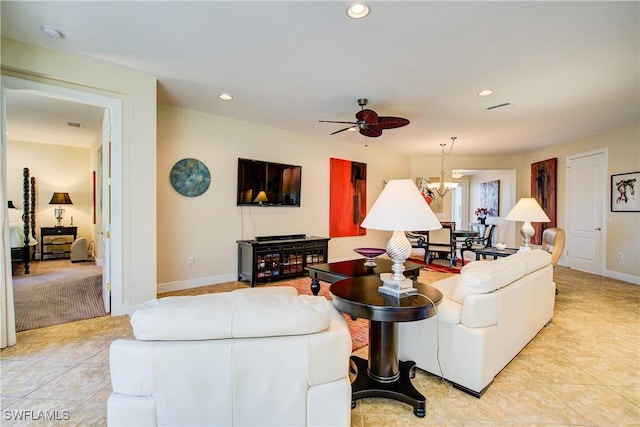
(527, 209)
(401, 207)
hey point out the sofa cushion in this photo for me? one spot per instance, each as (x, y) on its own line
(534, 259)
(230, 315)
(485, 277)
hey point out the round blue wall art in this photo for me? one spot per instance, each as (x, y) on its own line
(190, 177)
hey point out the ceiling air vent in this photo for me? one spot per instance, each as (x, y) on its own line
(494, 107)
(75, 125)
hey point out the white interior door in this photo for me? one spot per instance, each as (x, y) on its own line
(104, 160)
(586, 198)
(460, 205)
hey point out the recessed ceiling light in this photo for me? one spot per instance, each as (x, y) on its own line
(485, 92)
(358, 10)
(51, 32)
(226, 97)
(352, 129)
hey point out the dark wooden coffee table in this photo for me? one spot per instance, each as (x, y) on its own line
(494, 252)
(334, 271)
(383, 375)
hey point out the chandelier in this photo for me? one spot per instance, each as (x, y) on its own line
(443, 187)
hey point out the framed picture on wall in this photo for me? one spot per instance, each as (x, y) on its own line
(490, 197)
(624, 197)
(347, 197)
(543, 189)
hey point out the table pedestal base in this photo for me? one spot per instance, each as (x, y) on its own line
(401, 389)
(315, 286)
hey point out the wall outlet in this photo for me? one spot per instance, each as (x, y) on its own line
(191, 260)
(620, 256)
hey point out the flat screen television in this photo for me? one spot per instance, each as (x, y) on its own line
(262, 183)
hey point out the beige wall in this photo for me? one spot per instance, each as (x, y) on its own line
(189, 228)
(137, 169)
(429, 166)
(57, 169)
(623, 228)
(505, 231)
(623, 146)
(207, 227)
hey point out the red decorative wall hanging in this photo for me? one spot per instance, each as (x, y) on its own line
(543, 189)
(347, 198)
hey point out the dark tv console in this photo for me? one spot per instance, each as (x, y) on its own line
(270, 258)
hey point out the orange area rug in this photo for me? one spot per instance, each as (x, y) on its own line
(436, 267)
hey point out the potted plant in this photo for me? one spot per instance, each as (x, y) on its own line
(481, 213)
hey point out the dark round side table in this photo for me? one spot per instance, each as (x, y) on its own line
(383, 375)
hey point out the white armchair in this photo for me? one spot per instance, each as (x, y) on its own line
(258, 356)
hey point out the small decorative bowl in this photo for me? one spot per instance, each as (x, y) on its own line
(501, 246)
(369, 254)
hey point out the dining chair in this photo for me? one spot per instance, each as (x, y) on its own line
(475, 243)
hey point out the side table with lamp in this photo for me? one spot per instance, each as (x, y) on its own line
(54, 242)
(390, 298)
(527, 210)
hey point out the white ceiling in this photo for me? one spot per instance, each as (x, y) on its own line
(570, 69)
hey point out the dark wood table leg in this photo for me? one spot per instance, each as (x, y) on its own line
(315, 285)
(383, 375)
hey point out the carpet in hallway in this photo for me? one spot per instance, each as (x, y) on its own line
(58, 297)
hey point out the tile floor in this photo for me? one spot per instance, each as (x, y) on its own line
(581, 370)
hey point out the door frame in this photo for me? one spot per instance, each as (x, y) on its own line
(114, 104)
(569, 197)
(461, 193)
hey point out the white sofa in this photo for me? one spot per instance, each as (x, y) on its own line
(488, 314)
(258, 356)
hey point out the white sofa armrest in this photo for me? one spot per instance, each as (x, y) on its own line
(449, 311)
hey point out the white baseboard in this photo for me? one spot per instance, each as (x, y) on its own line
(634, 280)
(195, 283)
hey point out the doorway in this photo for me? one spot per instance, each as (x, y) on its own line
(460, 205)
(112, 281)
(586, 199)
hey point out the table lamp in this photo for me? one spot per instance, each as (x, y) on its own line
(528, 210)
(60, 199)
(261, 198)
(399, 208)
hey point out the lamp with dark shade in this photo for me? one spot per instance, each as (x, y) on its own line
(60, 199)
(399, 208)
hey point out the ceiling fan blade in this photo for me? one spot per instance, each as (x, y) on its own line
(342, 130)
(392, 122)
(367, 116)
(333, 121)
(372, 131)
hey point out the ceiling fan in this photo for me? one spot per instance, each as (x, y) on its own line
(369, 123)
